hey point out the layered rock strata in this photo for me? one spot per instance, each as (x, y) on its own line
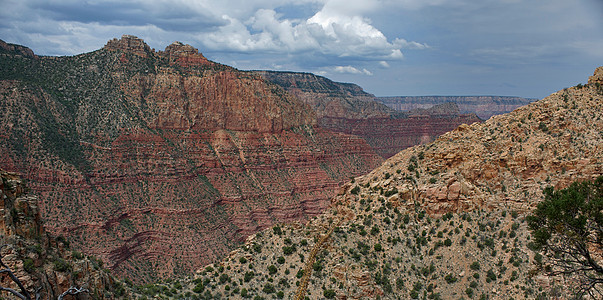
(345, 107)
(42, 264)
(160, 162)
(442, 220)
(483, 106)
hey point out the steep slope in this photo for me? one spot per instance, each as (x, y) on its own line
(160, 162)
(483, 106)
(328, 98)
(388, 135)
(441, 221)
(345, 107)
(44, 265)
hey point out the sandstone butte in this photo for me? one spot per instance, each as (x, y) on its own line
(441, 220)
(346, 108)
(159, 162)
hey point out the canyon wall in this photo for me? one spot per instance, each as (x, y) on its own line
(346, 108)
(483, 106)
(160, 162)
(442, 219)
(44, 266)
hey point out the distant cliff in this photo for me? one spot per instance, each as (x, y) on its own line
(483, 106)
(328, 98)
(443, 220)
(160, 162)
(345, 107)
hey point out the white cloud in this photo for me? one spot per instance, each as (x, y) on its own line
(330, 31)
(351, 70)
(338, 29)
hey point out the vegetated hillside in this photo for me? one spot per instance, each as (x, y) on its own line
(483, 106)
(43, 265)
(444, 220)
(161, 162)
(345, 107)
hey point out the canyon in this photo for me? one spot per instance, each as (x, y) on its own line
(347, 108)
(43, 265)
(159, 162)
(442, 220)
(483, 106)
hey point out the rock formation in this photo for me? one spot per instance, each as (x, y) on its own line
(597, 78)
(160, 162)
(346, 108)
(441, 220)
(483, 106)
(41, 263)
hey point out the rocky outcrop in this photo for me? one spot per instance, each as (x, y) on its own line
(44, 264)
(328, 98)
(442, 219)
(597, 77)
(483, 106)
(12, 49)
(160, 162)
(346, 108)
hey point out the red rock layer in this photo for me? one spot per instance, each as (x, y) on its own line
(160, 163)
(388, 136)
(483, 106)
(345, 107)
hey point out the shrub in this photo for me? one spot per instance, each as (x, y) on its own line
(272, 269)
(268, 288)
(224, 278)
(329, 294)
(199, 288)
(61, 265)
(450, 278)
(248, 276)
(475, 266)
(28, 265)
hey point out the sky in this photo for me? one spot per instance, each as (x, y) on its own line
(526, 48)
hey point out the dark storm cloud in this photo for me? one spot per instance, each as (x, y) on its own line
(169, 17)
(390, 47)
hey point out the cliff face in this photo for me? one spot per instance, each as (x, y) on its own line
(346, 108)
(390, 135)
(43, 265)
(442, 219)
(328, 98)
(483, 106)
(159, 162)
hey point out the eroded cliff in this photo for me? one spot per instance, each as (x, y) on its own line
(160, 162)
(45, 266)
(346, 108)
(441, 220)
(483, 106)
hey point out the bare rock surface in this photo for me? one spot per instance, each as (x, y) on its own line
(161, 162)
(444, 220)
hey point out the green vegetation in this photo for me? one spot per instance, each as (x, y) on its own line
(566, 226)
